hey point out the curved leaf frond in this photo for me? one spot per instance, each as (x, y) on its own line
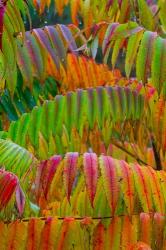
(120, 187)
(44, 49)
(45, 53)
(148, 14)
(77, 72)
(12, 26)
(75, 119)
(15, 158)
(59, 233)
(146, 48)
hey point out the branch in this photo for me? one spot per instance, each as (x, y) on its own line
(80, 218)
(129, 153)
(156, 155)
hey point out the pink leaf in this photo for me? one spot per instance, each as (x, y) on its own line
(70, 170)
(20, 199)
(91, 174)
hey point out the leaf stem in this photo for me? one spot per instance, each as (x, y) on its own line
(116, 144)
(156, 155)
(79, 218)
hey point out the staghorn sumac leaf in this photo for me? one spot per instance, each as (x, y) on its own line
(158, 198)
(35, 118)
(48, 234)
(54, 162)
(111, 186)
(144, 57)
(113, 234)
(82, 110)
(43, 39)
(92, 102)
(108, 36)
(146, 16)
(162, 6)
(57, 42)
(44, 176)
(15, 158)
(68, 38)
(145, 228)
(75, 5)
(127, 183)
(158, 230)
(91, 174)
(131, 53)
(34, 230)
(125, 8)
(99, 237)
(20, 199)
(142, 186)
(17, 234)
(71, 110)
(129, 232)
(158, 67)
(24, 64)
(8, 187)
(34, 50)
(70, 170)
(59, 109)
(102, 100)
(115, 109)
(64, 231)
(122, 102)
(83, 69)
(162, 180)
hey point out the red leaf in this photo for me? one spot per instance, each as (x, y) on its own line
(54, 162)
(98, 240)
(45, 173)
(8, 183)
(8, 191)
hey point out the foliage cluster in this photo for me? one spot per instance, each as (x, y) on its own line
(83, 143)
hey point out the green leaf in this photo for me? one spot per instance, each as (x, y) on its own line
(146, 15)
(144, 57)
(131, 53)
(15, 158)
(158, 64)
